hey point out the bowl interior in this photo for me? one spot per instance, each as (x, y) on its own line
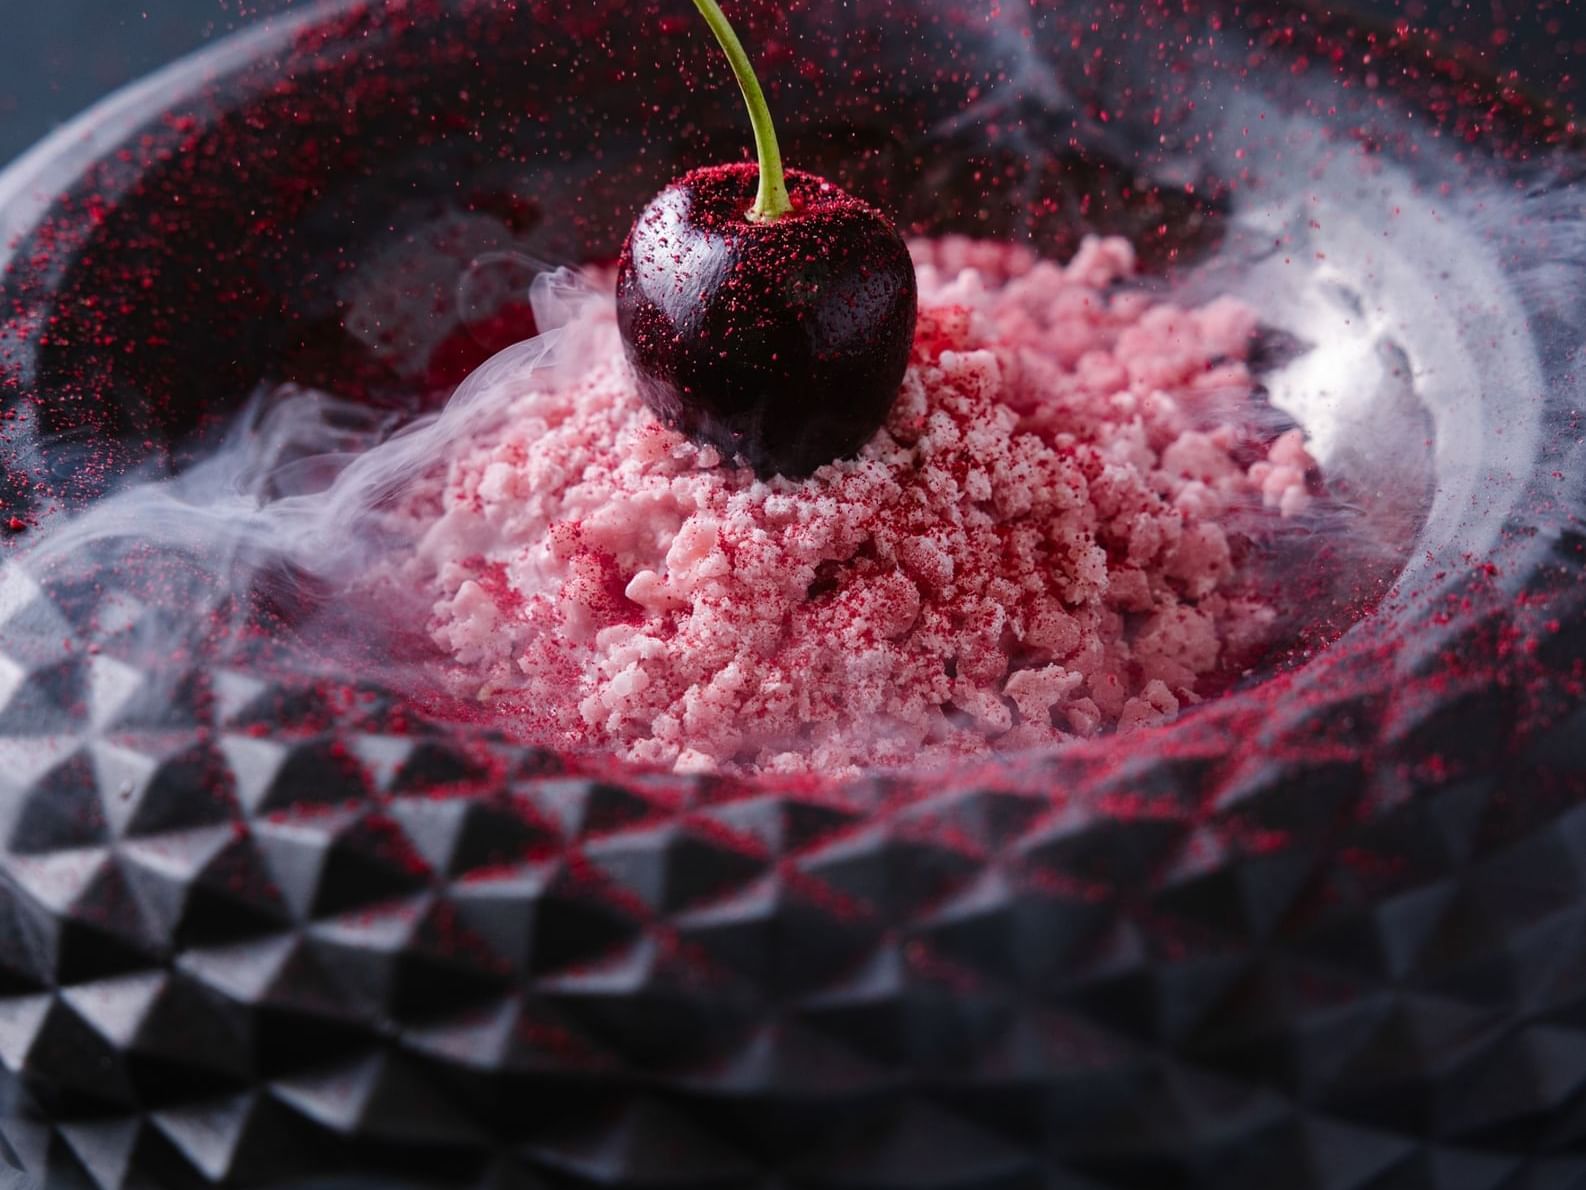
(358, 209)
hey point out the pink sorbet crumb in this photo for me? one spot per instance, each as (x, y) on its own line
(1281, 478)
(1032, 548)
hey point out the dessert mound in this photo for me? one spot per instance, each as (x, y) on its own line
(1044, 541)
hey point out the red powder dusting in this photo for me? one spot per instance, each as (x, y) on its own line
(1033, 548)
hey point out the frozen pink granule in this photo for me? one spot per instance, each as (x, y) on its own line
(1033, 548)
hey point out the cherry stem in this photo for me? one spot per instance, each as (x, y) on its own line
(772, 201)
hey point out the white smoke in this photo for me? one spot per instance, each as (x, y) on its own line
(298, 491)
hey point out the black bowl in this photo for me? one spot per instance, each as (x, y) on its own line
(258, 926)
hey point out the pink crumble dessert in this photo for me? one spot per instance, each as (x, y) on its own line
(1034, 547)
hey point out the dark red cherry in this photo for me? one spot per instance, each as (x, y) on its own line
(764, 310)
(782, 342)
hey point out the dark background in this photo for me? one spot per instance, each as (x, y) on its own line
(58, 56)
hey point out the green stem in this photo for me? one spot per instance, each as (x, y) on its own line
(772, 201)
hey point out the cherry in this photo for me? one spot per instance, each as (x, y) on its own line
(765, 312)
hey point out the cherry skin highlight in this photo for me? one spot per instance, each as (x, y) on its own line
(782, 342)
